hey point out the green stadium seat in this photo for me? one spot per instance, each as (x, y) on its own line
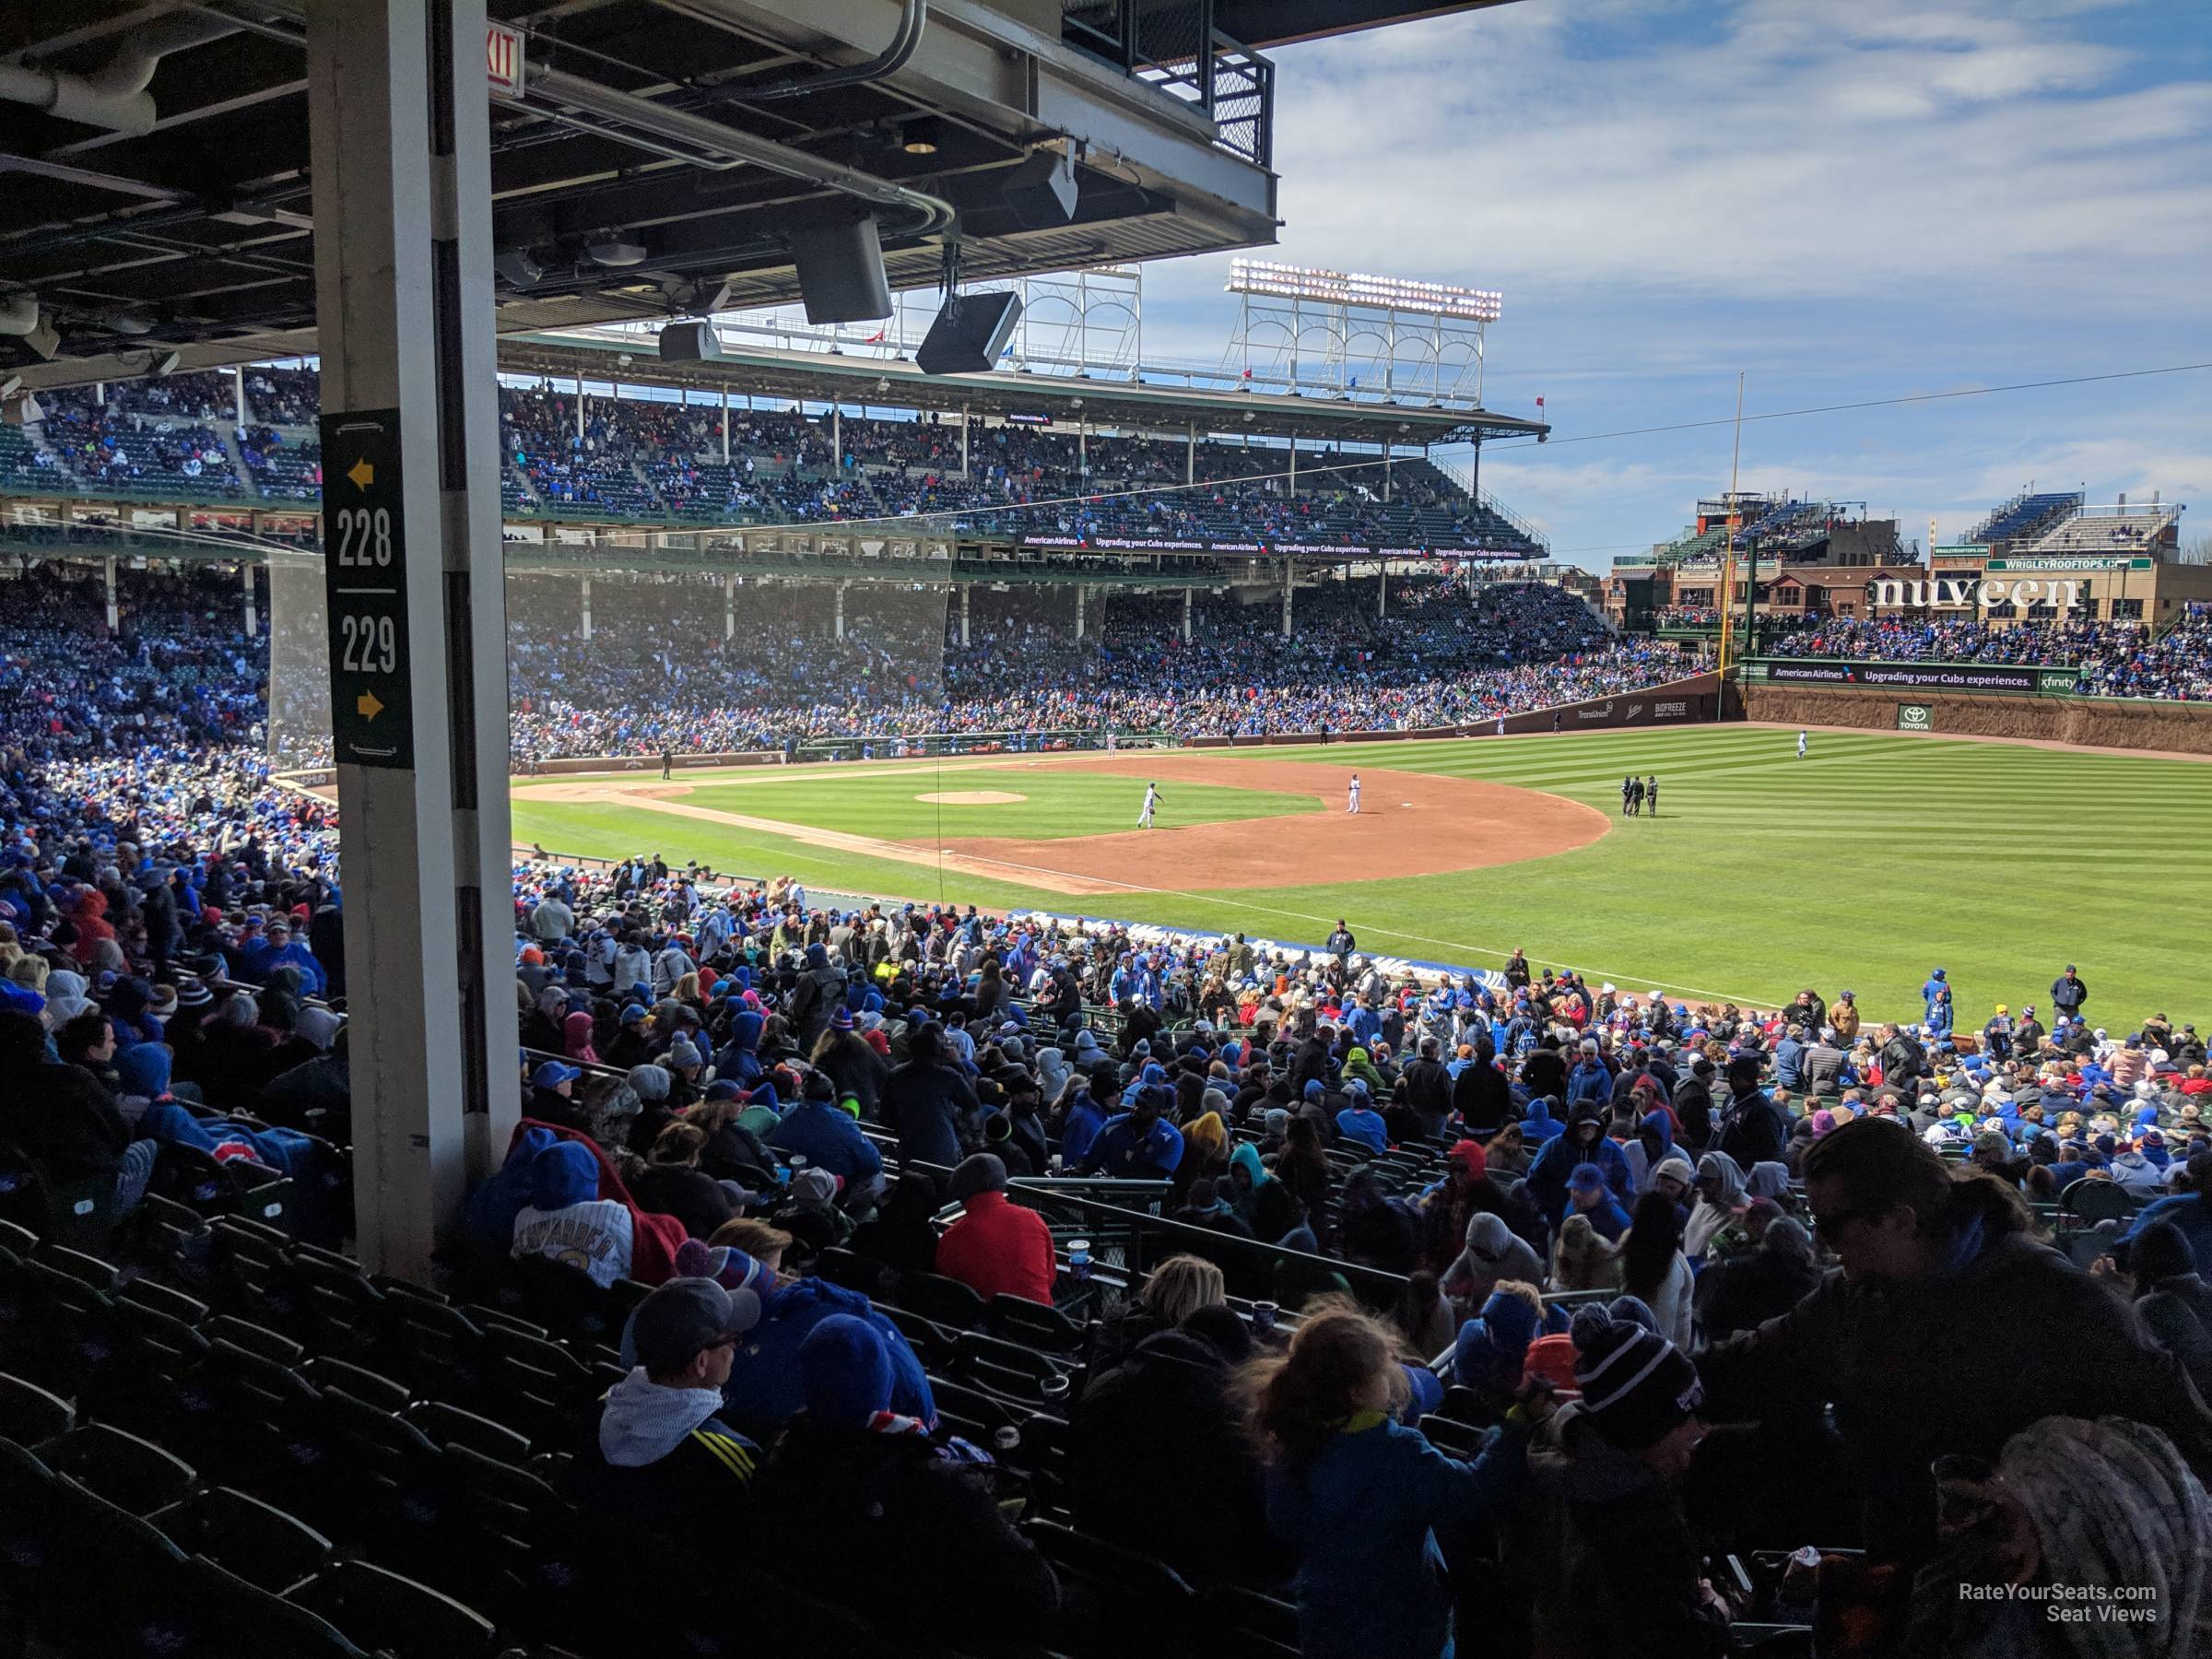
(243, 1535)
(253, 1623)
(389, 1613)
(120, 1468)
(30, 1414)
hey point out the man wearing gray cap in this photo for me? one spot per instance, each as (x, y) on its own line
(664, 1455)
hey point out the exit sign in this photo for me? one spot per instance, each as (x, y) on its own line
(503, 58)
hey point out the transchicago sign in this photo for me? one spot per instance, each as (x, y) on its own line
(1913, 676)
(1959, 592)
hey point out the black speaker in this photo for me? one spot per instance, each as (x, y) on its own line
(969, 333)
(690, 341)
(841, 270)
(1042, 191)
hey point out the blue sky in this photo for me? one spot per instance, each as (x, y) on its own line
(1843, 201)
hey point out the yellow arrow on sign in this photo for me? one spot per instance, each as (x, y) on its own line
(361, 473)
(367, 705)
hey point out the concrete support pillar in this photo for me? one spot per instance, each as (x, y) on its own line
(1080, 592)
(237, 394)
(963, 443)
(726, 425)
(1187, 593)
(1382, 590)
(841, 608)
(729, 606)
(837, 438)
(1293, 489)
(245, 579)
(401, 162)
(114, 614)
(1190, 453)
(964, 587)
(585, 600)
(1290, 586)
(579, 405)
(1386, 472)
(1082, 449)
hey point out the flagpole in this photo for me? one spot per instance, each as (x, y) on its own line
(1727, 593)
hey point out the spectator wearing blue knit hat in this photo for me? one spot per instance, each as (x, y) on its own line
(874, 1515)
(1587, 1195)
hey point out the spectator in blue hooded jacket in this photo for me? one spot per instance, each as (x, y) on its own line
(1360, 1122)
(1592, 1079)
(830, 1137)
(739, 1059)
(1492, 1348)
(1359, 1496)
(766, 1387)
(1079, 1124)
(1583, 1141)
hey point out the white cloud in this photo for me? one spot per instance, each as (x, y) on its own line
(1847, 201)
(1816, 150)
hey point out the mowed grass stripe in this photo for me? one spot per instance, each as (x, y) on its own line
(1877, 857)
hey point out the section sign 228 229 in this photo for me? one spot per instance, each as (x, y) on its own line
(365, 579)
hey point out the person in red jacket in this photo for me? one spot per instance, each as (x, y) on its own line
(995, 1246)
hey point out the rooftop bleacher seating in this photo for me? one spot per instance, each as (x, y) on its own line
(2024, 518)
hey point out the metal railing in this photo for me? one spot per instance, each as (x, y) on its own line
(890, 745)
(1173, 45)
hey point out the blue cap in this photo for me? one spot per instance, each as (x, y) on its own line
(551, 1073)
(1586, 1178)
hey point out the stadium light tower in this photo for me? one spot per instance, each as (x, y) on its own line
(1347, 333)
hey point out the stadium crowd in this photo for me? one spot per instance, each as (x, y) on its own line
(642, 458)
(2112, 661)
(1584, 1292)
(656, 673)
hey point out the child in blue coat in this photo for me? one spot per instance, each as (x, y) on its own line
(1358, 1495)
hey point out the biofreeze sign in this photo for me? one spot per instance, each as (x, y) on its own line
(1958, 593)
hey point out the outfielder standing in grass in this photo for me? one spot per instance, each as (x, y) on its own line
(1143, 818)
(1651, 794)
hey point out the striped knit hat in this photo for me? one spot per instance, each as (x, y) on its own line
(1637, 1387)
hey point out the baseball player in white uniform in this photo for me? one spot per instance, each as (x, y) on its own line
(1143, 818)
(1352, 800)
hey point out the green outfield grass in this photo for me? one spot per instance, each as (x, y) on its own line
(1877, 858)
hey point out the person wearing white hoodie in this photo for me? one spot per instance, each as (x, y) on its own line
(663, 1457)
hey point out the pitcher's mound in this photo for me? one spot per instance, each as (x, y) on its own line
(970, 797)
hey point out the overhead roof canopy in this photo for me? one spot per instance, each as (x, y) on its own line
(196, 233)
(1281, 22)
(821, 377)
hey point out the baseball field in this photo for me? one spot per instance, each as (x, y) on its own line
(1870, 860)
